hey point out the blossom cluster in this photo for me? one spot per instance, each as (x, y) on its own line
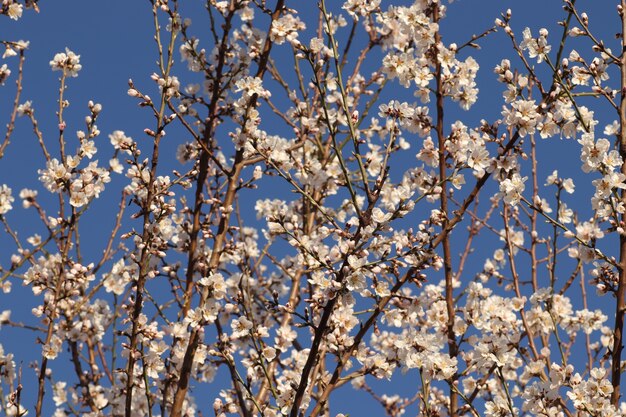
(391, 240)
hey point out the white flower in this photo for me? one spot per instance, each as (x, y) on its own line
(216, 283)
(8, 52)
(552, 178)
(566, 214)
(68, 62)
(241, 327)
(5, 199)
(88, 149)
(12, 409)
(269, 353)
(194, 62)
(612, 129)
(536, 47)
(580, 76)
(593, 153)
(51, 350)
(358, 8)
(380, 216)
(512, 188)
(116, 166)
(608, 183)
(119, 140)
(457, 181)
(4, 73)
(522, 115)
(12, 48)
(251, 86)
(429, 153)
(587, 231)
(15, 11)
(286, 28)
(382, 289)
(60, 395)
(246, 14)
(24, 108)
(316, 45)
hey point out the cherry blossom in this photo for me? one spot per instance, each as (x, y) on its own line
(308, 210)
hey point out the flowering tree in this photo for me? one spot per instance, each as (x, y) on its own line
(363, 263)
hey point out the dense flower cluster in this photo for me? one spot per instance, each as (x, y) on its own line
(67, 62)
(349, 274)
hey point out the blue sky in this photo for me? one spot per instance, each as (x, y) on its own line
(115, 41)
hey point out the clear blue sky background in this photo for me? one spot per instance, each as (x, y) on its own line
(115, 41)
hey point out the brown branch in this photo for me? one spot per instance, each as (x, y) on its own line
(443, 197)
(459, 214)
(620, 304)
(194, 338)
(144, 261)
(209, 130)
(16, 101)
